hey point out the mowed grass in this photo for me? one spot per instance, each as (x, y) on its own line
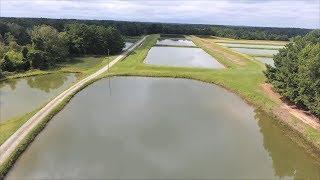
(243, 75)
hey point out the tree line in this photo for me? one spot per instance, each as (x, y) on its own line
(140, 28)
(296, 74)
(43, 46)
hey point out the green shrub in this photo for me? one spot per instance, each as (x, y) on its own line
(7, 64)
(296, 74)
(39, 59)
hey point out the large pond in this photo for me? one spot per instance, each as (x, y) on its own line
(258, 46)
(183, 57)
(19, 96)
(257, 52)
(266, 60)
(175, 42)
(148, 128)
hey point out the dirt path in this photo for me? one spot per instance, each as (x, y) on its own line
(8, 147)
(304, 116)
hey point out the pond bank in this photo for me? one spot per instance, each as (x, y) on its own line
(17, 143)
(209, 133)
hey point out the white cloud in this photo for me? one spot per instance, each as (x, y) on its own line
(281, 13)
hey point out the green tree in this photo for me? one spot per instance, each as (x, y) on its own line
(49, 40)
(3, 50)
(38, 59)
(296, 74)
(7, 64)
(24, 52)
(8, 37)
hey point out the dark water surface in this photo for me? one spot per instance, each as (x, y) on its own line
(19, 96)
(161, 128)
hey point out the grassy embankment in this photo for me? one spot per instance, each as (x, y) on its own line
(81, 65)
(242, 75)
(242, 41)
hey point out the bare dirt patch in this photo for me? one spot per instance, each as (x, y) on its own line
(286, 108)
(228, 54)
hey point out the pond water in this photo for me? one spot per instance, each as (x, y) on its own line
(150, 128)
(127, 45)
(266, 60)
(183, 57)
(19, 96)
(175, 42)
(257, 52)
(261, 46)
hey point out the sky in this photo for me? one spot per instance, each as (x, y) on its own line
(270, 13)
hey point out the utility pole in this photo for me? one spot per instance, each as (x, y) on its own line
(108, 59)
(108, 72)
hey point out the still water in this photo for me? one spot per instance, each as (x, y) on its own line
(127, 45)
(261, 46)
(257, 52)
(154, 128)
(175, 42)
(183, 57)
(19, 96)
(266, 60)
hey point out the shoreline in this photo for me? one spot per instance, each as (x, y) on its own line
(167, 72)
(20, 140)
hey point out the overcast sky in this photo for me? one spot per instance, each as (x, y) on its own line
(276, 13)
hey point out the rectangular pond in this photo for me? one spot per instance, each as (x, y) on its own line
(257, 52)
(254, 46)
(266, 60)
(183, 57)
(175, 42)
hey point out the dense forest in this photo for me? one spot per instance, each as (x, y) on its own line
(139, 28)
(296, 74)
(43, 46)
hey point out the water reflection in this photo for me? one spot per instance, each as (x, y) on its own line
(175, 42)
(288, 159)
(19, 96)
(47, 83)
(161, 128)
(182, 57)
